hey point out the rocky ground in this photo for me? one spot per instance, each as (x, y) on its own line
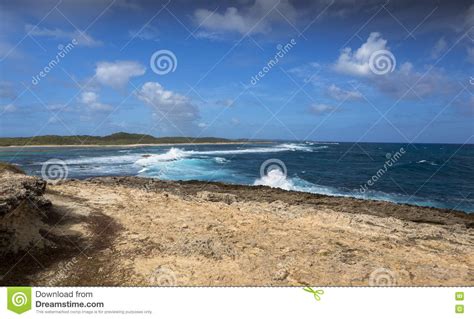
(133, 231)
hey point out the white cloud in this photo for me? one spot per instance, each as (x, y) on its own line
(117, 74)
(439, 48)
(89, 97)
(82, 38)
(169, 106)
(340, 94)
(202, 125)
(91, 100)
(404, 82)
(319, 109)
(256, 18)
(357, 63)
(412, 84)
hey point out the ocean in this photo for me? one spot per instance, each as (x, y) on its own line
(434, 175)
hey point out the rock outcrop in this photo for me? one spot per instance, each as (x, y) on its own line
(22, 210)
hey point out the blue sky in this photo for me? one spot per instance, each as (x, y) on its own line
(319, 60)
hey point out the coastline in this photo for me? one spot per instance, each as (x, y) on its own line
(130, 145)
(134, 230)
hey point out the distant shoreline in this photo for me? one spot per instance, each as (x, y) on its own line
(129, 145)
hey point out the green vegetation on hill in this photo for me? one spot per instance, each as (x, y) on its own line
(120, 138)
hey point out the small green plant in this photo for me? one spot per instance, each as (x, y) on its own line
(316, 293)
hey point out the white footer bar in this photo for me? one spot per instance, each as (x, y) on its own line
(315, 302)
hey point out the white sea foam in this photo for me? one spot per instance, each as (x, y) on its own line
(220, 160)
(172, 155)
(429, 162)
(251, 150)
(276, 179)
(295, 147)
(177, 154)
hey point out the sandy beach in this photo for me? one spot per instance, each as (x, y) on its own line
(127, 231)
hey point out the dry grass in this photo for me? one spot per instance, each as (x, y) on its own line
(10, 168)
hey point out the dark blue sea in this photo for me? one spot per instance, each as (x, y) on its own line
(436, 175)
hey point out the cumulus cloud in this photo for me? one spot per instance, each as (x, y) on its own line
(256, 18)
(403, 82)
(82, 38)
(409, 83)
(117, 74)
(357, 63)
(91, 100)
(169, 106)
(321, 108)
(341, 95)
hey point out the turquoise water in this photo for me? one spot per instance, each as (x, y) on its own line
(435, 175)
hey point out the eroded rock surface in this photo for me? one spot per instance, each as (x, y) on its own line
(136, 231)
(22, 211)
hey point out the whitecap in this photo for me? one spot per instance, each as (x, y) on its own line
(172, 155)
(220, 160)
(429, 162)
(295, 147)
(276, 179)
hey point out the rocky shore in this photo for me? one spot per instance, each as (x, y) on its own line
(134, 231)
